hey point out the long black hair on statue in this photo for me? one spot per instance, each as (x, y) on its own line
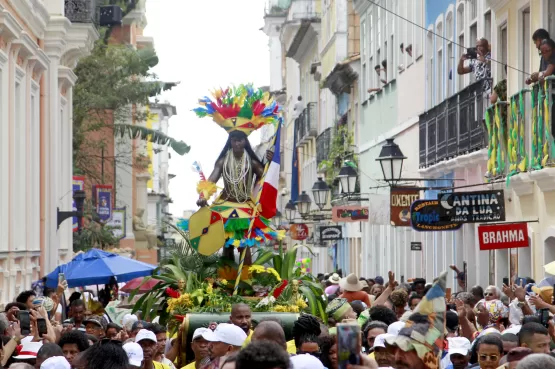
(239, 135)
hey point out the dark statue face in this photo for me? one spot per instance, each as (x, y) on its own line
(238, 145)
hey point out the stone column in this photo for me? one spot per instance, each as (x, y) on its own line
(141, 245)
(54, 43)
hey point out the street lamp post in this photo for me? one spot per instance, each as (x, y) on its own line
(290, 210)
(391, 160)
(277, 219)
(348, 178)
(320, 192)
(303, 204)
(79, 198)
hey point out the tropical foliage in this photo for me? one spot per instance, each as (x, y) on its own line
(189, 284)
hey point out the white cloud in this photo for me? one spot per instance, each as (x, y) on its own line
(204, 44)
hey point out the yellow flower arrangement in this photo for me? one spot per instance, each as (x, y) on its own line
(301, 304)
(224, 282)
(183, 301)
(274, 273)
(209, 289)
(285, 308)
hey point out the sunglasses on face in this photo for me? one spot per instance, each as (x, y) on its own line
(484, 357)
(488, 294)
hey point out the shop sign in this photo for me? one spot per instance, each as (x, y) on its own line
(299, 232)
(425, 217)
(472, 207)
(503, 236)
(345, 214)
(401, 199)
(331, 233)
(416, 246)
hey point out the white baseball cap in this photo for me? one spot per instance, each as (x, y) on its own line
(134, 352)
(145, 335)
(55, 362)
(306, 361)
(128, 320)
(199, 332)
(226, 333)
(459, 345)
(380, 339)
(394, 328)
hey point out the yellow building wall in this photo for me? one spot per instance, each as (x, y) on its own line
(328, 60)
(151, 118)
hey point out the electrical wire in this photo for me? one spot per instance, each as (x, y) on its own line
(442, 37)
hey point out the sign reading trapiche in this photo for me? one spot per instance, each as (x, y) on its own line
(345, 214)
(425, 217)
(331, 233)
(472, 207)
(416, 246)
(503, 236)
(401, 199)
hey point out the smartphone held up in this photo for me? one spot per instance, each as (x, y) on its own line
(349, 344)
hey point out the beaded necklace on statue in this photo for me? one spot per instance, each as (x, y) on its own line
(237, 176)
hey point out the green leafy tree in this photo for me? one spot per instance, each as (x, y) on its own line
(342, 143)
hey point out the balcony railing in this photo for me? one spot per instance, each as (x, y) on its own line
(306, 125)
(453, 127)
(520, 131)
(323, 146)
(277, 8)
(303, 9)
(80, 11)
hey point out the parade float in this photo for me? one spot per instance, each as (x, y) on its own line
(203, 278)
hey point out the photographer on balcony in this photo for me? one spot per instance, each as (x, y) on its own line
(479, 62)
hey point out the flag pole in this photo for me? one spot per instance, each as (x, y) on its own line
(254, 215)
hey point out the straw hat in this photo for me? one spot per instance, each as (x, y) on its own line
(351, 283)
(546, 293)
(334, 278)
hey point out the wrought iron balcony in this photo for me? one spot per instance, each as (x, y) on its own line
(520, 132)
(81, 11)
(453, 127)
(323, 146)
(306, 125)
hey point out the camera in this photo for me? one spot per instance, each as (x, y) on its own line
(472, 53)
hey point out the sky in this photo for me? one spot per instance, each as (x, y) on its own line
(204, 45)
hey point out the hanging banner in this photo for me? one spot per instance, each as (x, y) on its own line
(401, 198)
(503, 236)
(78, 185)
(104, 202)
(346, 214)
(299, 232)
(117, 223)
(331, 233)
(472, 207)
(425, 217)
(378, 209)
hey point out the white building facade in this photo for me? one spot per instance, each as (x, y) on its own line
(40, 45)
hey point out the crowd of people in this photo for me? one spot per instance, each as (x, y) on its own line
(414, 325)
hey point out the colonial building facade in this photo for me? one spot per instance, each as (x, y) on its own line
(40, 44)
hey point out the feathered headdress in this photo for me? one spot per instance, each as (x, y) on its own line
(240, 108)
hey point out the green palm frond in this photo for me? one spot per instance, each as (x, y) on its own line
(150, 135)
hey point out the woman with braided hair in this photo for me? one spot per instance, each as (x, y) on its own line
(305, 333)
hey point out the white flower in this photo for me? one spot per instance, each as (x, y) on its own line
(268, 300)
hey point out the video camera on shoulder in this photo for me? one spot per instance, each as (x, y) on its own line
(472, 53)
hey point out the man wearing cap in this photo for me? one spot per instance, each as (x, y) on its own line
(199, 345)
(134, 352)
(384, 354)
(459, 347)
(148, 342)
(96, 326)
(225, 339)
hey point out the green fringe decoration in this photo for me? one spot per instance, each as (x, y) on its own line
(237, 224)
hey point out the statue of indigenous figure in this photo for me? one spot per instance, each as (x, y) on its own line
(240, 111)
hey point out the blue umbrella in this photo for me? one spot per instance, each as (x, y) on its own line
(97, 267)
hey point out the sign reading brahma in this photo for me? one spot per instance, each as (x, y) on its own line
(472, 207)
(299, 231)
(503, 236)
